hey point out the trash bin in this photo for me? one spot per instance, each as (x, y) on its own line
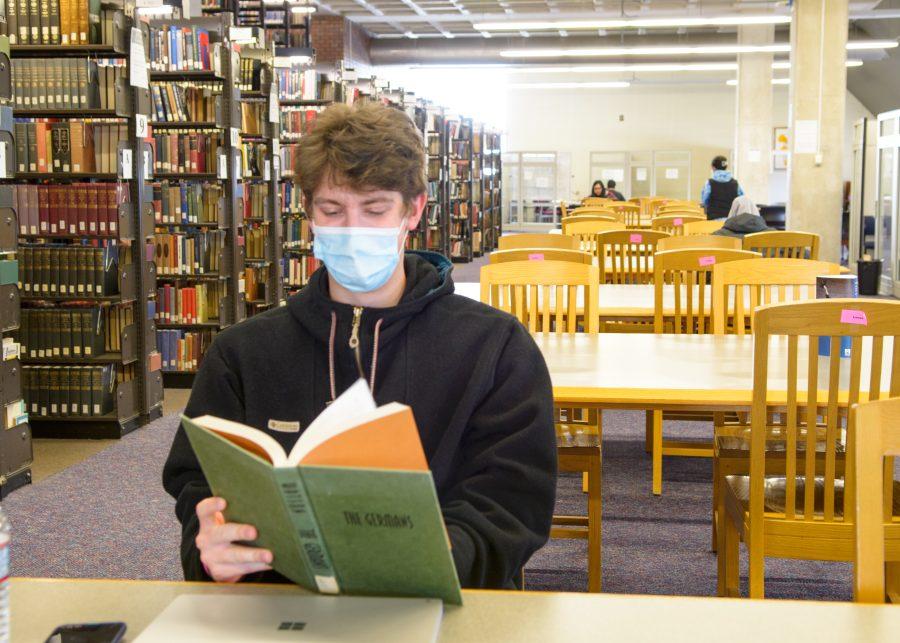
(869, 273)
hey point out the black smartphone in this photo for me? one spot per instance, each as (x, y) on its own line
(88, 633)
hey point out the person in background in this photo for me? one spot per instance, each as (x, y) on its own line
(743, 219)
(612, 192)
(598, 190)
(720, 190)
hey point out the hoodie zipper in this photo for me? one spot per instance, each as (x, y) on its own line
(354, 330)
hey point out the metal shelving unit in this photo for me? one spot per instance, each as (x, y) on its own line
(460, 139)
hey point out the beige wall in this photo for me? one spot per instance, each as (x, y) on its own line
(695, 118)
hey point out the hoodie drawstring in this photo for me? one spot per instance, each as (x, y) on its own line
(331, 338)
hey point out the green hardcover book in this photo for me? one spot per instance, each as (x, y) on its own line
(78, 321)
(65, 332)
(352, 509)
(9, 271)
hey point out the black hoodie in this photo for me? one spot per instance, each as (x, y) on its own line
(477, 384)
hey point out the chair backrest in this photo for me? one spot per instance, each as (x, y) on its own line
(544, 295)
(704, 227)
(877, 426)
(591, 210)
(630, 213)
(686, 274)
(512, 241)
(595, 200)
(674, 223)
(674, 208)
(585, 231)
(698, 241)
(814, 394)
(740, 287)
(626, 256)
(784, 244)
(541, 254)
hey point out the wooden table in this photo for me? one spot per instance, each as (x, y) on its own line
(38, 605)
(676, 373)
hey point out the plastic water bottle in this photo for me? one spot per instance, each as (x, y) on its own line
(4, 577)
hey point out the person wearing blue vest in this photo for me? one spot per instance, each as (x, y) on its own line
(720, 190)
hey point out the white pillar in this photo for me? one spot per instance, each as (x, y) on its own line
(753, 114)
(818, 98)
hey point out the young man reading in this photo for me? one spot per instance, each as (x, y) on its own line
(476, 382)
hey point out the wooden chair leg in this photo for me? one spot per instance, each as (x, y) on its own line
(595, 529)
(729, 560)
(657, 452)
(892, 581)
(715, 503)
(648, 428)
(757, 571)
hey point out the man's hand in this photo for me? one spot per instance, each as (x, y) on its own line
(222, 559)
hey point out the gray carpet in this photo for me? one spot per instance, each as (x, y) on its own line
(109, 517)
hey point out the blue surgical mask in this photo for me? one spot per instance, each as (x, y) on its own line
(359, 259)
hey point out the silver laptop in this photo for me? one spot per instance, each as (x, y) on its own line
(211, 618)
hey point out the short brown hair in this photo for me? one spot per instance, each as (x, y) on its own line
(365, 147)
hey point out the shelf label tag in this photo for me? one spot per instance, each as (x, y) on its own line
(273, 104)
(235, 137)
(237, 166)
(140, 126)
(3, 160)
(125, 162)
(267, 173)
(148, 162)
(137, 63)
(222, 169)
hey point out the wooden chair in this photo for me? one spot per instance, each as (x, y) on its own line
(563, 210)
(513, 241)
(626, 256)
(544, 296)
(591, 210)
(797, 499)
(786, 245)
(763, 282)
(541, 254)
(698, 241)
(739, 288)
(675, 208)
(630, 212)
(585, 232)
(704, 227)
(674, 223)
(877, 435)
(686, 273)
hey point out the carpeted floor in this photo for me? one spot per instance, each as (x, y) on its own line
(109, 517)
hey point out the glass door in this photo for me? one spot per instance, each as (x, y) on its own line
(611, 165)
(672, 173)
(511, 189)
(886, 210)
(538, 188)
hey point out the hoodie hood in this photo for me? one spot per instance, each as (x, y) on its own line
(741, 224)
(427, 279)
(722, 176)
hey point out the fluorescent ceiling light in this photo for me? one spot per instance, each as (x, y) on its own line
(677, 50)
(160, 10)
(573, 85)
(635, 23)
(307, 9)
(634, 67)
(775, 81)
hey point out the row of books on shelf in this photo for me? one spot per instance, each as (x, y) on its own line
(184, 202)
(55, 22)
(297, 84)
(72, 146)
(193, 253)
(63, 332)
(434, 169)
(185, 101)
(297, 270)
(459, 130)
(434, 143)
(297, 122)
(254, 157)
(255, 279)
(182, 350)
(461, 172)
(289, 159)
(70, 271)
(291, 199)
(255, 197)
(460, 190)
(65, 83)
(75, 209)
(254, 116)
(251, 75)
(66, 391)
(255, 241)
(188, 304)
(177, 48)
(295, 233)
(185, 152)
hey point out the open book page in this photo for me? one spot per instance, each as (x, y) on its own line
(337, 417)
(250, 439)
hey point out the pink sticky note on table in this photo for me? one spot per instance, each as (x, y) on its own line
(850, 316)
(678, 221)
(536, 256)
(707, 261)
(635, 238)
